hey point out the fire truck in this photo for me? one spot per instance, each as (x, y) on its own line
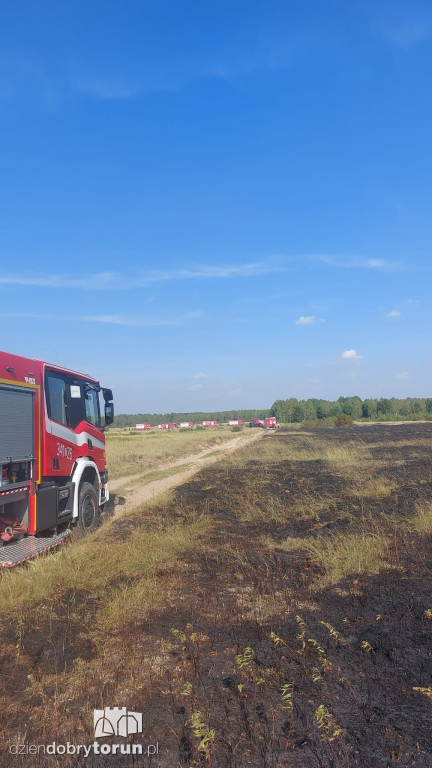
(271, 422)
(52, 455)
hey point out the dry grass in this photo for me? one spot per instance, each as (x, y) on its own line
(421, 522)
(342, 555)
(129, 453)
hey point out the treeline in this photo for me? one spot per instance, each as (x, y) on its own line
(293, 410)
(129, 420)
(384, 409)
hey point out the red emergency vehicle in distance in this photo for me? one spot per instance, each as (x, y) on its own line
(52, 454)
(271, 422)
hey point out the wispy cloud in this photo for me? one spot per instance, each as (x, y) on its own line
(403, 376)
(394, 313)
(351, 354)
(209, 271)
(379, 265)
(111, 280)
(407, 34)
(195, 387)
(105, 88)
(118, 281)
(309, 320)
(200, 376)
(91, 282)
(142, 322)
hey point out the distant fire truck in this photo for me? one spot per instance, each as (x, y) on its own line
(52, 455)
(235, 422)
(210, 423)
(167, 426)
(187, 424)
(142, 427)
(271, 423)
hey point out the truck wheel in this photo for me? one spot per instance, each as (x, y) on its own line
(88, 508)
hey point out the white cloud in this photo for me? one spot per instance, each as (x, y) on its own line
(403, 376)
(117, 281)
(200, 376)
(211, 271)
(309, 320)
(394, 313)
(351, 354)
(379, 265)
(195, 387)
(235, 392)
(142, 322)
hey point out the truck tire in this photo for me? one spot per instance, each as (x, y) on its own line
(88, 508)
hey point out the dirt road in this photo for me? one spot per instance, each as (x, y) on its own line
(134, 490)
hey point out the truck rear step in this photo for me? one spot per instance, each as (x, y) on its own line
(17, 552)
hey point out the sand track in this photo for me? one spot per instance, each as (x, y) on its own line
(133, 490)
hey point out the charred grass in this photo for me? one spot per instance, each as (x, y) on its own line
(276, 611)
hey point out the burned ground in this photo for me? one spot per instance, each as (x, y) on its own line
(295, 632)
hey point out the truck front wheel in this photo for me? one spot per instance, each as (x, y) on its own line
(88, 508)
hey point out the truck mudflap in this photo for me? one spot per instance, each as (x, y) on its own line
(17, 552)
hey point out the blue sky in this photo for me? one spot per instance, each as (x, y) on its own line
(215, 205)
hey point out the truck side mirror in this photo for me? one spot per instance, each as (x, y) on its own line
(109, 413)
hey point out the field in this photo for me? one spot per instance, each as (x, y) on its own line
(130, 452)
(275, 611)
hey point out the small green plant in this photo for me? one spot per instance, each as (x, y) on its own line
(327, 725)
(287, 695)
(332, 632)
(244, 660)
(276, 639)
(202, 732)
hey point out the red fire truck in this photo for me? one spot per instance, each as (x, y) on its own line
(52, 455)
(271, 422)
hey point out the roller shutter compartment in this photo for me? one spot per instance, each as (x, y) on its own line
(16, 423)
